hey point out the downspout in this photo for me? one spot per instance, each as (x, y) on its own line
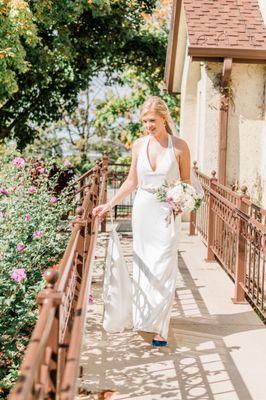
(223, 119)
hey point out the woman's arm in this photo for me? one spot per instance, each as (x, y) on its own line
(127, 187)
(183, 156)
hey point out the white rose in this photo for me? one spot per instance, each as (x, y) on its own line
(190, 190)
(189, 204)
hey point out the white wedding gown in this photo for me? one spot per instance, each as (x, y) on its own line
(154, 245)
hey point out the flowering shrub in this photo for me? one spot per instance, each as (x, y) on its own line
(34, 230)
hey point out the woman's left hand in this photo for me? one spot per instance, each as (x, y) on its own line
(177, 210)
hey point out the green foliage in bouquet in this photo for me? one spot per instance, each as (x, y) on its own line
(198, 203)
(161, 192)
(34, 230)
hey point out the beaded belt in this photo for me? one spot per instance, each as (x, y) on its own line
(147, 189)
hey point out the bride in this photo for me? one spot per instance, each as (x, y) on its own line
(157, 156)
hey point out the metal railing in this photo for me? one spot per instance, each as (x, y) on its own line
(234, 230)
(51, 363)
(117, 174)
(232, 227)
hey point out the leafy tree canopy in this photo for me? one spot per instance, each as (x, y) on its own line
(51, 49)
(117, 115)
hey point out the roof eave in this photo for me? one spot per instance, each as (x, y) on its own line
(199, 53)
(172, 46)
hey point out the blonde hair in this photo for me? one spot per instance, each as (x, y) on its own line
(156, 104)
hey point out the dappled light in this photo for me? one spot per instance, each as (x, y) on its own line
(197, 364)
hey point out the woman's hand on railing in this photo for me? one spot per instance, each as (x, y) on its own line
(101, 210)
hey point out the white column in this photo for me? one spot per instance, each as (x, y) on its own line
(188, 103)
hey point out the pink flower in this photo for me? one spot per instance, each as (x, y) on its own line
(18, 275)
(90, 299)
(19, 162)
(41, 170)
(21, 247)
(37, 234)
(14, 187)
(2, 214)
(27, 217)
(32, 189)
(67, 163)
(170, 199)
(53, 200)
(4, 192)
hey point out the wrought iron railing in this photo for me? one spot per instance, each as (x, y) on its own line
(117, 174)
(234, 230)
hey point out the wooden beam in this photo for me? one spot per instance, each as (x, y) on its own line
(223, 119)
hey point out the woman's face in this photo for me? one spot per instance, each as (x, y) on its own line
(153, 123)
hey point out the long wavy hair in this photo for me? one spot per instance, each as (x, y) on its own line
(156, 104)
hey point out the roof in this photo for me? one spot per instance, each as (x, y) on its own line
(235, 24)
(217, 29)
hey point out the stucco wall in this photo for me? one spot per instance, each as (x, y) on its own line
(208, 121)
(199, 107)
(246, 151)
(262, 5)
(246, 141)
(198, 119)
(199, 124)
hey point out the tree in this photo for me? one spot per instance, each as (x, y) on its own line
(117, 116)
(120, 112)
(17, 30)
(67, 43)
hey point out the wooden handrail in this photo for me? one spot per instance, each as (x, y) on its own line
(68, 385)
(69, 381)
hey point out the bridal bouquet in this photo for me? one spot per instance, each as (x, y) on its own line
(180, 196)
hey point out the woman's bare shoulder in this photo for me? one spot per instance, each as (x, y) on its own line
(137, 144)
(179, 144)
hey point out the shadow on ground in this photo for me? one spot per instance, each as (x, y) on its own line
(197, 364)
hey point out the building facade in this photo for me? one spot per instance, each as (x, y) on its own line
(216, 60)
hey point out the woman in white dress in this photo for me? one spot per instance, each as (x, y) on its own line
(156, 157)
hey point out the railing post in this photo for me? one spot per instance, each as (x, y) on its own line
(95, 190)
(240, 268)
(81, 194)
(47, 376)
(211, 222)
(65, 339)
(105, 177)
(91, 200)
(193, 216)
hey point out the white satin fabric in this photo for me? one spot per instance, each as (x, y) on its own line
(117, 287)
(154, 245)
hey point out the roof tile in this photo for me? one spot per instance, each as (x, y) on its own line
(230, 23)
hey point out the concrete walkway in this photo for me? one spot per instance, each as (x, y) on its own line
(217, 350)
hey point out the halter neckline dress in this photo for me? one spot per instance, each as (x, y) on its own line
(155, 244)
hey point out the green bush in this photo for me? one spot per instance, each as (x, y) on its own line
(34, 231)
